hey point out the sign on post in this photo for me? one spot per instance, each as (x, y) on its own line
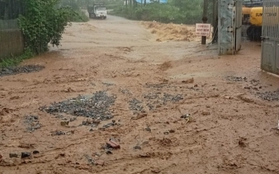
(203, 29)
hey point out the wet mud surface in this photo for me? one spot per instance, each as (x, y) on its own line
(112, 99)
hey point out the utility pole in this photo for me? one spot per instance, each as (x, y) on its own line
(215, 21)
(204, 18)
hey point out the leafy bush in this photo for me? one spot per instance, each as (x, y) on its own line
(42, 23)
(177, 11)
(80, 15)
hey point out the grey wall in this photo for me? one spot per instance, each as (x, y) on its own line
(11, 43)
(11, 39)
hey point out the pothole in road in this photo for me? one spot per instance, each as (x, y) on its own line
(96, 106)
(20, 69)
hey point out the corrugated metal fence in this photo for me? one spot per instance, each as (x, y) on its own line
(229, 26)
(270, 36)
(11, 39)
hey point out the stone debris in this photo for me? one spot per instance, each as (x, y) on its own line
(32, 122)
(269, 95)
(96, 106)
(20, 69)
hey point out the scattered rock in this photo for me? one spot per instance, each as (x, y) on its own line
(236, 79)
(13, 155)
(108, 152)
(111, 143)
(91, 122)
(228, 97)
(57, 133)
(191, 80)
(136, 105)
(32, 122)
(255, 82)
(137, 147)
(20, 69)
(64, 123)
(145, 155)
(245, 98)
(109, 125)
(166, 133)
(148, 129)
(68, 90)
(62, 154)
(241, 142)
(99, 163)
(125, 91)
(139, 116)
(36, 152)
(185, 116)
(157, 99)
(108, 84)
(269, 95)
(89, 159)
(25, 155)
(171, 131)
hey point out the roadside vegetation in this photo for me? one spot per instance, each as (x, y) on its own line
(43, 22)
(175, 11)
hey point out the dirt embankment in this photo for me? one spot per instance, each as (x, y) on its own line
(175, 32)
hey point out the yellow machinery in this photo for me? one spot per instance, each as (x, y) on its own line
(252, 12)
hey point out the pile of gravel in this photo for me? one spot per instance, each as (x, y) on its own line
(96, 106)
(20, 69)
(236, 79)
(153, 100)
(269, 95)
(32, 123)
(136, 105)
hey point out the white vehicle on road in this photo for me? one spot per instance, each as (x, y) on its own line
(97, 11)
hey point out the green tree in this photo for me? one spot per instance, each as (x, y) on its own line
(42, 23)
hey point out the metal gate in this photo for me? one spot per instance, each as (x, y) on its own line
(270, 36)
(229, 26)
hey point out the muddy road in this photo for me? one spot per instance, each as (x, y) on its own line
(173, 107)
